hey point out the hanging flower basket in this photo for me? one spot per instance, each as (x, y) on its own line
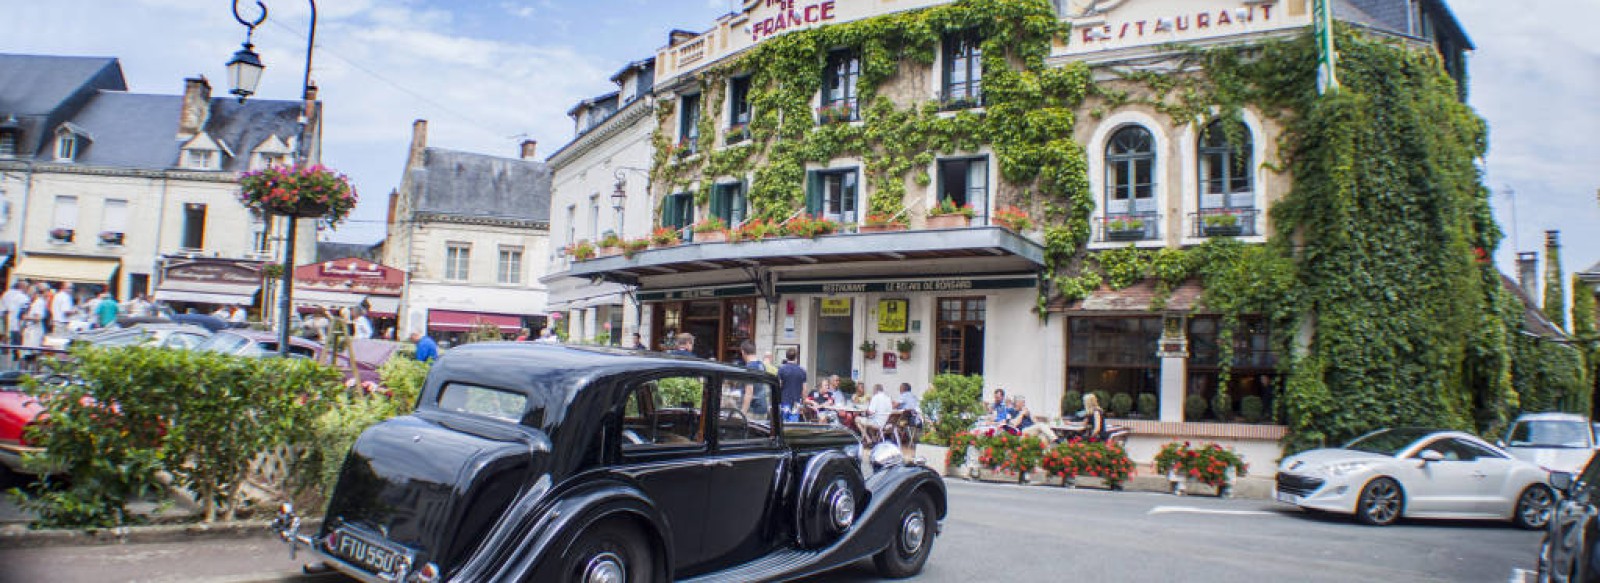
(310, 192)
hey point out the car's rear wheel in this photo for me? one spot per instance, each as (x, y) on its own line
(1534, 508)
(1381, 502)
(610, 552)
(913, 540)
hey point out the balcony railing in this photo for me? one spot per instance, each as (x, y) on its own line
(1225, 222)
(1127, 227)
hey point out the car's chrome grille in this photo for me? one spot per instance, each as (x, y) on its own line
(1298, 485)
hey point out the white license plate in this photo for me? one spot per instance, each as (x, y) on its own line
(1288, 498)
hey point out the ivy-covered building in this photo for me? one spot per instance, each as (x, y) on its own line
(1152, 201)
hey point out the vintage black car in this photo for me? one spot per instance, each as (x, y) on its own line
(532, 462)
(1570, 552)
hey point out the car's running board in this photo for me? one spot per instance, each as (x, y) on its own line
(776, 566)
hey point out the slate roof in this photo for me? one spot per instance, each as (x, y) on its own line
(329, 251)
(40, 91)
(1592, 274)
(467, 185)
(1533, 319)
(1395, 16)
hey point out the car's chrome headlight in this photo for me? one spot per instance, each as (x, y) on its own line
(885, 455)
(1346, 468)
(853, 451)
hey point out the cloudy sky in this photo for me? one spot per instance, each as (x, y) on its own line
(489, 73)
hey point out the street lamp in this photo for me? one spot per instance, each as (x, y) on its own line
(619, 196)
(244, 73)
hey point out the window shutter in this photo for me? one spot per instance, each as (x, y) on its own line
(669, 211)
(741, 201)
(719, 201)
(814, 193)
(685, 210)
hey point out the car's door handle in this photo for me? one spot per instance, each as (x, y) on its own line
(1479, 475)
(720, 463)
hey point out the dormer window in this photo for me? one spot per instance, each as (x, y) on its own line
(66, 147)
(271, 152)
(264, 161)
(199, 159)
(8, 144)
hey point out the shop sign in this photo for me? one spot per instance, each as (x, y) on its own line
(213, 271)
(836, 308)
(775, 16)
(908, 285)
(892, 316)
(353, 269)
(702, 293)
(1098, 26)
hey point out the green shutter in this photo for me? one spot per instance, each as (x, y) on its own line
(686, 206)
(814, 193)
(669, 210)
(719, 202)
(741, 202)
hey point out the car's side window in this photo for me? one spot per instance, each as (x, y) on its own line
(483, 401)
(1478, 451)
(1447, 447)
(746, 409)
(664, 412)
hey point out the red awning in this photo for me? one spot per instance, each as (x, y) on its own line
(452, 321)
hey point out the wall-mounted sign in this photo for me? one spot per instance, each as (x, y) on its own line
(771, 17)
(892, 316)
(908, 285)
(697, 293)
(213, 271)
(891, 362)
(1099, 26)
(836, 307)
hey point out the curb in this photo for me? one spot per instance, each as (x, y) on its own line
(12, 537)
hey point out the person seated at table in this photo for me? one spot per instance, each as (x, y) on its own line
(1094, 417)
(1022, 420)
(908, 402)
(878, 410)
(1000, 409)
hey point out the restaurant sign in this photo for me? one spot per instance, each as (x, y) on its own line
(704, 293)
(955, 284)
(771, 17)
(1118, 24)
(212, 271)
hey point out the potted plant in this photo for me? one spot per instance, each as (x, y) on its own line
(755, 230)
(1223, 224)
(631, 248)
(711, 230)
(583, 251)
(299, 191)
(810, 227)
(664, 237)
(686, 147)
(838, 112)
(1013, 218)
(736, 134)
(949, 216)
(1210, 464)
(1125, 229)
(610, 244)
(879, 222)
(61, 235)
(869, 349)
(110, 238)
(904, 346)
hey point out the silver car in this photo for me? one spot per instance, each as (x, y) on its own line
(1557, 442)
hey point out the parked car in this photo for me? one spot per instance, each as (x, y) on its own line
(369, 354)
(18, 411)
(530, 462)
(1388, 474)
(1558, 442)
(1570, 551)
(157, 334)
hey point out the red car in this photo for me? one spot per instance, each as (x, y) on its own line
(18, 410)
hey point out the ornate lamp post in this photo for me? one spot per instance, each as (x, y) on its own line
(244, 73)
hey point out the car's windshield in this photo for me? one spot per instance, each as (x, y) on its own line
(224, 343)
(1549, 433)
(1387, 441)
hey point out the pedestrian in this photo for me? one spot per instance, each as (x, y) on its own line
(427, 349)
(363, 324)
(237, 315)
(548, 336)
(792, 385)
(638, 342)
(106, 311)
(34, 320)
(522, 335)
(15, 302)
(685, 345)
(61, 307)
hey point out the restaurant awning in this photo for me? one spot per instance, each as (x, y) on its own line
(235, 294)
(317, 298)
(74, 269)
(452, 321)
(386, 306)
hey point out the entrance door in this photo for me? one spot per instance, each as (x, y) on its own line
(835, 338)
(703, 319)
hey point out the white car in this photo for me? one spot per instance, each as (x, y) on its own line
(1388, 474)
(1558, 442)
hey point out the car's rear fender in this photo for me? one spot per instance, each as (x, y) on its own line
(888, 491)
(552, 527)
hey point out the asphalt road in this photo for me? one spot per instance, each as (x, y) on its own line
(997, 532)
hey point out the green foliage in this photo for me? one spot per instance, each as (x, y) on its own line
(954, 404)
(483, 332)
(1549, 376)
(1121, 404)
(1071, 402)
(1103, 397)
(199, 416)
(676, 391)
(1555, 290)
(1149, 405)
(1222, 406)
(404, 377)
(1252, 408)
(1194, 408)
(1583, 311)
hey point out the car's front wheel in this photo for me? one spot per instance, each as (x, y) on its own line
(610, 552)
(1381, 502)
(913, 540)
(1534, 508)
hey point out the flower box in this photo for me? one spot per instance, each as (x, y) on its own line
(718, 236)
(110, 238)
(1125, 235)
(881, 228)
(610, 251)
(1223, 230)
(736, 135)
(948, 221)
(61, 235)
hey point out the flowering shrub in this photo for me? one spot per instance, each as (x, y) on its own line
(1125, 224)
(582, 251)
(884, 220)
(665, 236)
(1221, 219)
(301, 191)
(948, 207)
(710, 225)
(836, 113)
(611, 239)
(1091, 458)
(1207, 464)
(755, 230)
(810, 227)
(1013, 218)
(630, 248)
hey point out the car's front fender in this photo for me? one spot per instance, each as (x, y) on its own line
(552, 526)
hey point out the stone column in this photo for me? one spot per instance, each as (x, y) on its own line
(1173, 349)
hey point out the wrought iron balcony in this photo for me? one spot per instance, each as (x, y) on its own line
(1127, 227)
(1225, 222)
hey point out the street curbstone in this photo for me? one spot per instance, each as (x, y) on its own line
(14, 537)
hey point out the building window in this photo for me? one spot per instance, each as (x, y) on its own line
(689, 124)
(198, 159)
(456, 256)
(194, 226)
(594, 217)
(264, 161)
(114, 222)
(839, 86)
(832, 194)
(959, 344)
(963, 70)
(510, 265)
(728, 203)
(8, 144)
(1130, 204)
(1227, 190)
(965, 182)
(1112, 356)
(677, 211)
(64, 226)
(66, 147)
(572, 225)
(738, 101)
(1254, 371)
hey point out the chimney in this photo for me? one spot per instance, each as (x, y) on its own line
(1528, 273)
(529, 148)
(196, 107)
(419, 142)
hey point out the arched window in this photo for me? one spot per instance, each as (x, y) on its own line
(1227, 184)
(1130, 204)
